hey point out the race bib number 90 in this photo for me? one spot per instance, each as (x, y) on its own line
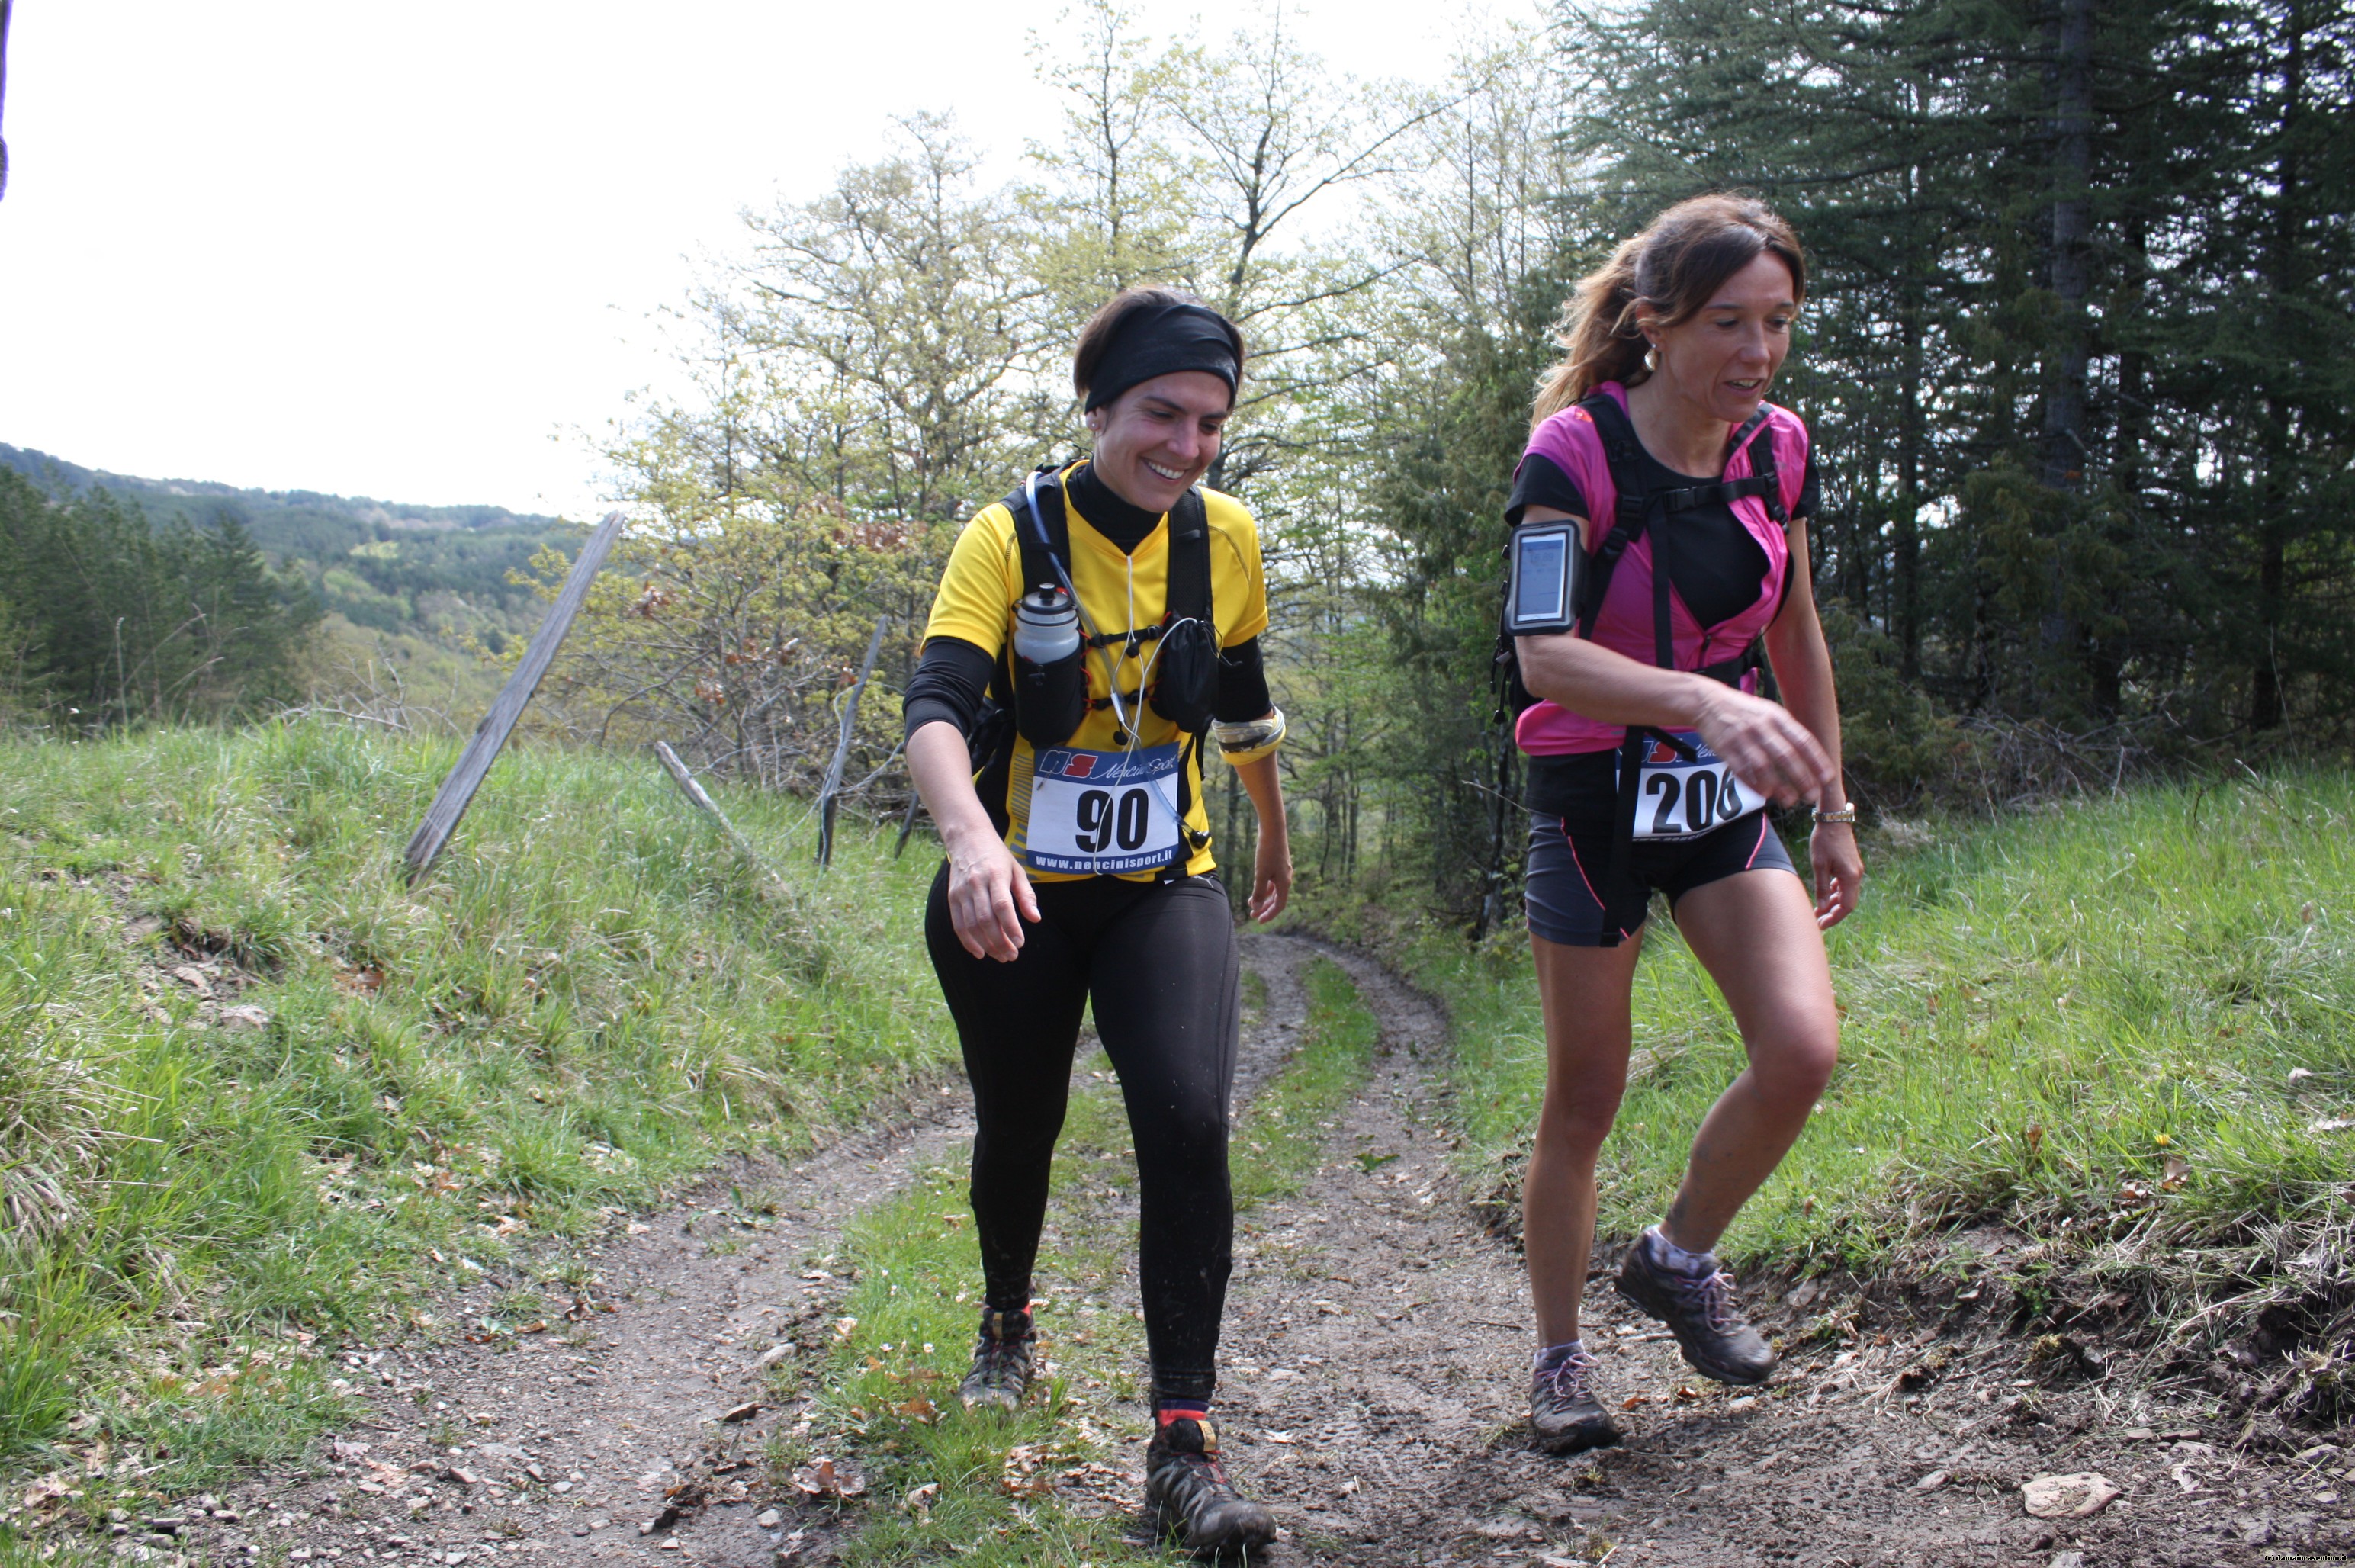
(1102, 813)
(1678, 796)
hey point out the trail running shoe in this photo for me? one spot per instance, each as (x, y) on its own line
(1563, 1410)
(1699, 1310)
(1001, 1363)
(1188, 1497)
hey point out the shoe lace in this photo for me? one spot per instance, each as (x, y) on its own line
(994, 1359)
(1566, 1378)
(1710, 1298)
(1205, 1475)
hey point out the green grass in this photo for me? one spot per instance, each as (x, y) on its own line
(590, 998)
(1278, 1141)
(1020, 1490)
(2122, 1028)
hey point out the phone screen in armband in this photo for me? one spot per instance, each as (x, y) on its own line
(1543, 595)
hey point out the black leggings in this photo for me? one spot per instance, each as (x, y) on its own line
(1159, 961)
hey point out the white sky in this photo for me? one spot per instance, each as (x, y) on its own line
(413, 251)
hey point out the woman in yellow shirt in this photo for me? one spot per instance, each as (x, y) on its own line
(1090, 633)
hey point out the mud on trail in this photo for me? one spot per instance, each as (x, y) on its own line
(1375, 1362)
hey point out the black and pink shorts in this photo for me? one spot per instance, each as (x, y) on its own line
(1571, 900)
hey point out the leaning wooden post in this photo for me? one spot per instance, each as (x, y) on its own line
(692, 788)
(482, 749)
(825, 794)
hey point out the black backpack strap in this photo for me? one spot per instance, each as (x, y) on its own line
(1620, 449)
(1043, 535)
(1041, 529)
(1188, 596)
(1189, 560)
(1639, 513)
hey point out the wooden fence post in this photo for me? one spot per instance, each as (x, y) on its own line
(825, 794)
(692, 788)
(457, 791)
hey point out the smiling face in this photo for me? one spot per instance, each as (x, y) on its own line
(1154, 440)
(1720, 359)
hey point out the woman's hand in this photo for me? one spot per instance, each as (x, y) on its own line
(989, 893)
(1270, 876)
(1839, 872)
(989, 897)
(1272, 861)
(1768, 749)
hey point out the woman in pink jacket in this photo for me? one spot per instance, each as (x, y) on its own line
(1660, 548)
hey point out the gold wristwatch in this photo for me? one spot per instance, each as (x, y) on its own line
(1845, 814)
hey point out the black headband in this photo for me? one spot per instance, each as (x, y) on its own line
(1159, 339)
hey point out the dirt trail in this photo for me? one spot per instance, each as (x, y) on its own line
(1376, 1360)
(562, 1443)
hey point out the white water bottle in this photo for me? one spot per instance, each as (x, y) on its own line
(1046, 626)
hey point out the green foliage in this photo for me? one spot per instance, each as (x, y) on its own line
(2121, 1028)
(191, 1189)
(2077, 365)
(105, 620)
(396, 570)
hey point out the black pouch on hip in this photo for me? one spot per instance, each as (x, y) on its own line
(1186, 675)
(1051, 700)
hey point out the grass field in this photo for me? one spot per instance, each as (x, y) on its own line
(2125, 1027)
(253, 1090)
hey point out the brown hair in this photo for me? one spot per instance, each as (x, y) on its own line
(1096, 337)
(1673, 267)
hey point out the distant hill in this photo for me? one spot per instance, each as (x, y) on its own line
(282, 521)
(438, 573)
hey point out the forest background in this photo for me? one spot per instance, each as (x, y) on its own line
(2076, 359)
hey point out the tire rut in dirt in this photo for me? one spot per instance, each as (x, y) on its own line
(622, 1406)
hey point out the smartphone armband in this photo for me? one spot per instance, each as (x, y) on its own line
(1548, 568)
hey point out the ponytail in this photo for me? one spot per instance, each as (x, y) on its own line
(1672, 267)
(1597, 329)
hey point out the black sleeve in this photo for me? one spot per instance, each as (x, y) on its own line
(1811, 488)
(1243, 684)
(1540, 483)
(951, 683)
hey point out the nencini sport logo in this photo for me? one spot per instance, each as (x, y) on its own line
(1068, 764)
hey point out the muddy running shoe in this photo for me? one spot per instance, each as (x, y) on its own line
(1701, 1311)
(1001, 1363)
(1563, 1410)
(1188, 1497)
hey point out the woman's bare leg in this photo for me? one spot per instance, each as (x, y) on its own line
(1755, 933)
(1585, 993)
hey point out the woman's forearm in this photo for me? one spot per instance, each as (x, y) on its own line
(943, 771)
(1610, 688)
(1802, 661)
(1803, 668)
(1265, 787)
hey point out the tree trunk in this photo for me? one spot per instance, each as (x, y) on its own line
(2274, 527)
(2071, 275)
(1907, 543)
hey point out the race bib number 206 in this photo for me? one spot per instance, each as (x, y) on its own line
(1102, 813)
(1678, 796)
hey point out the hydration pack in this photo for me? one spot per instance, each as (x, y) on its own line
(1637, 511)
(1633, 516)
(1045, 706)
